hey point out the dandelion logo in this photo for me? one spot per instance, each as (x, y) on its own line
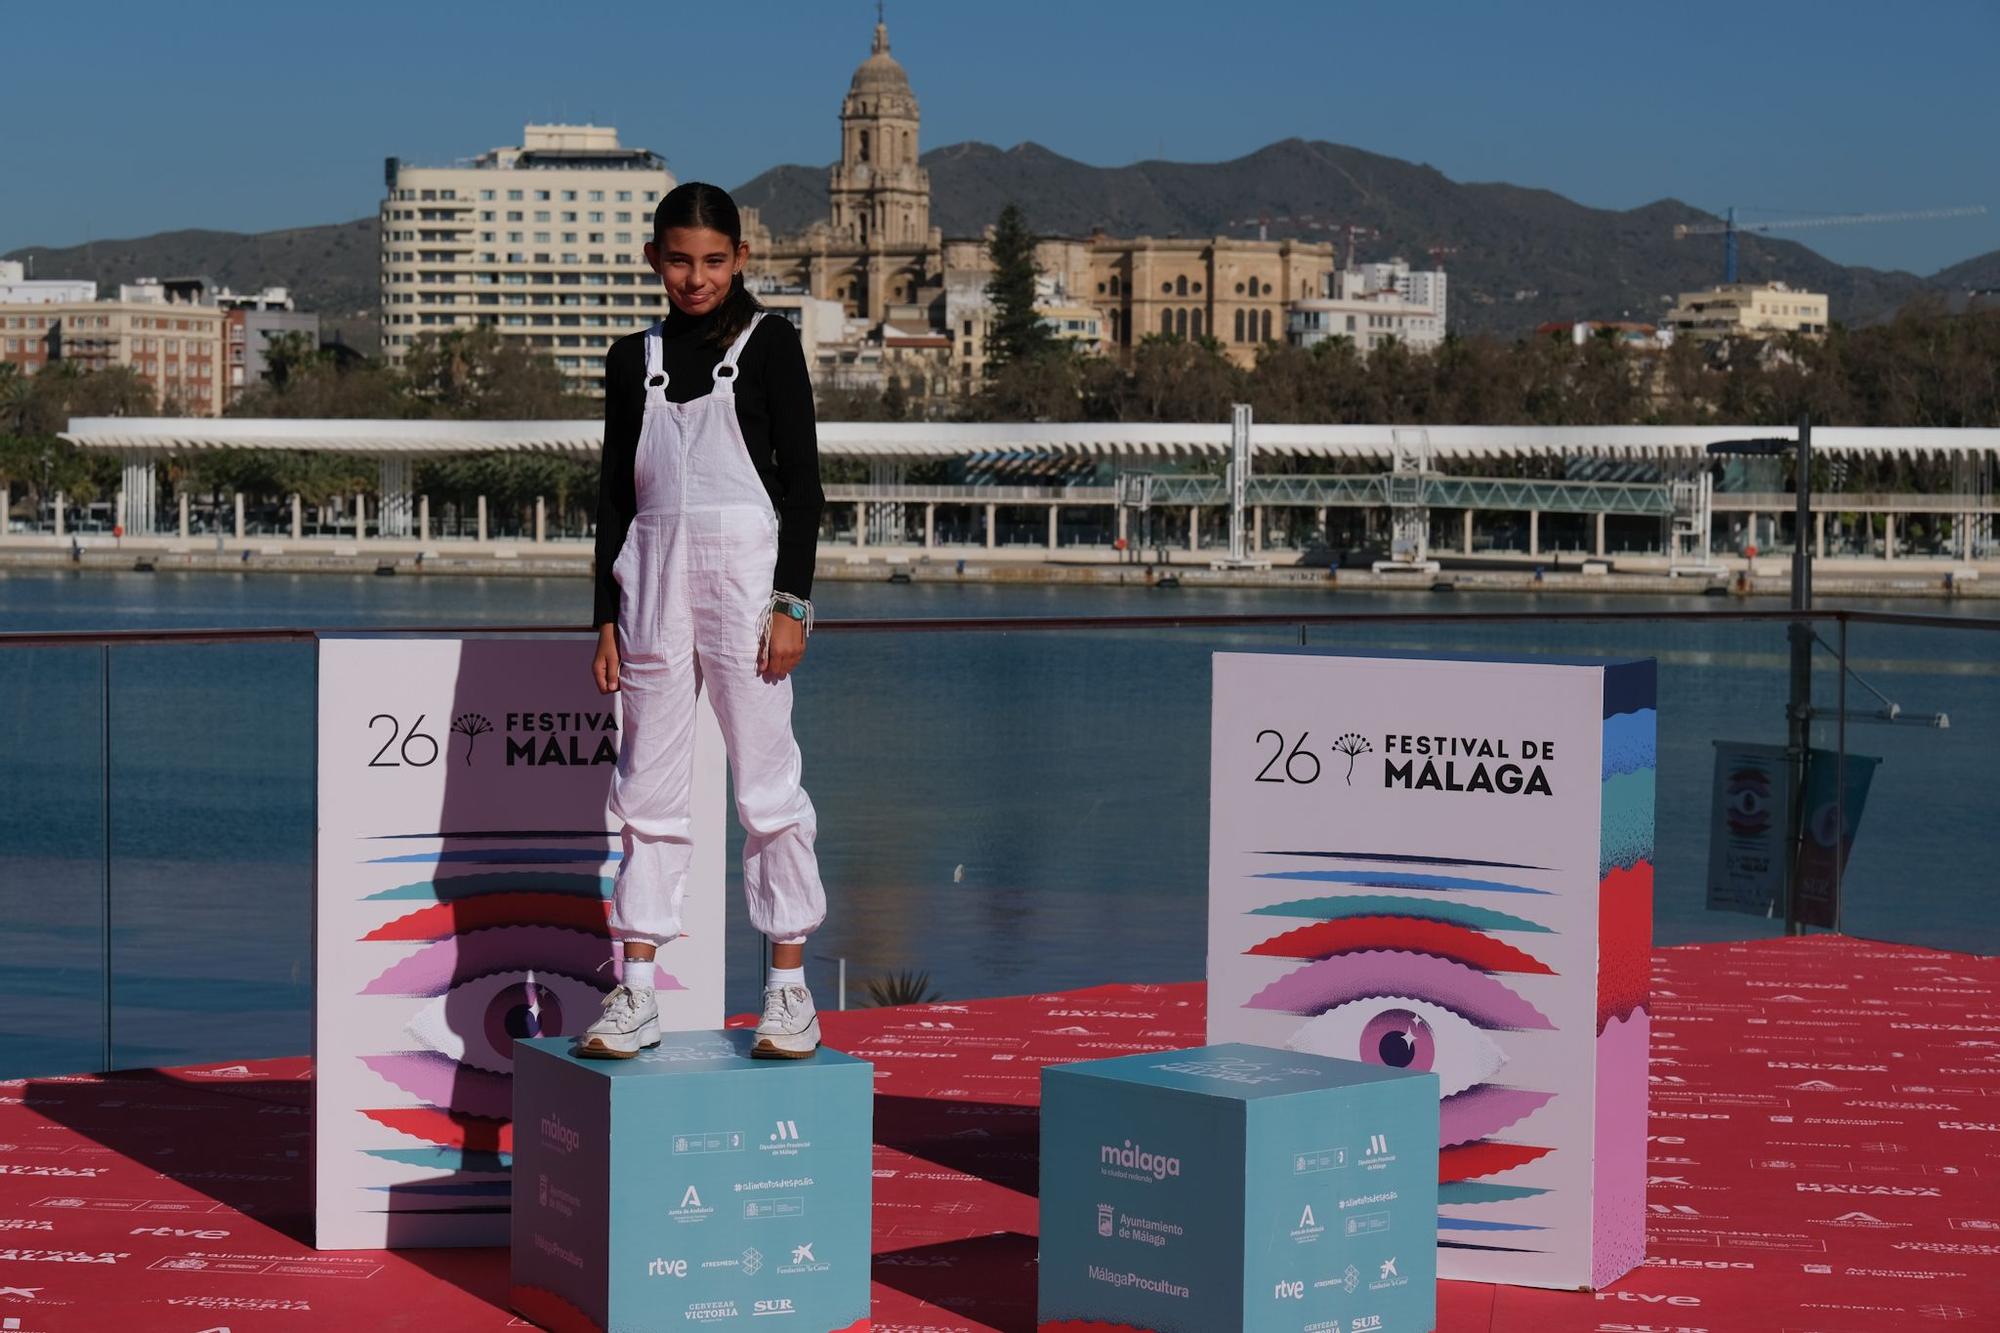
(470, 725)
(1352, 744)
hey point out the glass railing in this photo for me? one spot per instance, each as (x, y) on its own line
(1008, 805)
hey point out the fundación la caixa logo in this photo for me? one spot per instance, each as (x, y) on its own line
(557, 739)
(1501, 765)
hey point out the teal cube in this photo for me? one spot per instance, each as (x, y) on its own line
(691, 1186)
(1238, 1187)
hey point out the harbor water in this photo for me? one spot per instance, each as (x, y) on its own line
(1008, 812)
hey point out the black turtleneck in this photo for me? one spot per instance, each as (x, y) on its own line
(774, 405)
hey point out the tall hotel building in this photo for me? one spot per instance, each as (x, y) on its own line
(541, 242)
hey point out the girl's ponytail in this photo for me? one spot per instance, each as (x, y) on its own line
(734, 314)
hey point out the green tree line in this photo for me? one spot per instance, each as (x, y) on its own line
(471, 374)
(1927, 367)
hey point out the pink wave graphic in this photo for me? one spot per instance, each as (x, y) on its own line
(1481, 1112)
(443, 1081)
(1320, 986)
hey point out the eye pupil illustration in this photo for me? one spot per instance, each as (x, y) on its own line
(526, 1009)
(1399, 1039)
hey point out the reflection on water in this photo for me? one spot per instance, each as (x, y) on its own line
(1011, 812)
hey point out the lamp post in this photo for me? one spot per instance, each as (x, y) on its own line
(1798, 707)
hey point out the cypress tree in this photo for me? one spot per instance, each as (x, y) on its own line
(1018, 333)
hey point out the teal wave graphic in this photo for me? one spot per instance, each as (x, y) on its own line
(445, 1159)
(1478, 1191)
(1397, 879)
(1426, 909)
(1626, 830)
(455, 888)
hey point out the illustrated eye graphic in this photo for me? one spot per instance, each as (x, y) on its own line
(477, 1022)
(1826, 824)
(1415, 982)
(1748, 802)
(1404, 1034)
(506, 953)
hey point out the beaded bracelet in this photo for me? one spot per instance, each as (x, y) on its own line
(796, 608)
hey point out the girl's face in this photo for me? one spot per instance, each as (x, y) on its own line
(697, 266)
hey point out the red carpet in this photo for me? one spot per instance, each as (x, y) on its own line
(1826, 1160)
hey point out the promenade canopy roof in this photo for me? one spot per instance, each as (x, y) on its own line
(1134, 441)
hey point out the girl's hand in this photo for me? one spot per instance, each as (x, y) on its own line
(604, 665)
(784, 644)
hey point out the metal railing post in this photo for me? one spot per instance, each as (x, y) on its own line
(1840, 784)
(1798, 708)
(104, 877)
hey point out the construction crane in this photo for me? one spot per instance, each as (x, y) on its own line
(1729, 227)
(1262, 222)
(1307, 222)
(1354, 232)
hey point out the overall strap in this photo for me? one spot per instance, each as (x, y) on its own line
(656, 370)
(725, 370)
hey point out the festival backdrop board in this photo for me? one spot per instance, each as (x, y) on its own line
(1446, 865)
(464, 868)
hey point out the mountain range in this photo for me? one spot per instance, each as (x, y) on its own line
(1517, 256)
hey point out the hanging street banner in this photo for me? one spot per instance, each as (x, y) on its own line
(464, 871)
(1746, 839)
(1831, 819)
(1747, 831)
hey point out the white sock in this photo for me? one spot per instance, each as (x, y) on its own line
(780, 977)
(639, 973)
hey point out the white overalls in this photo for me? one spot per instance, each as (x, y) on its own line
(694, 588)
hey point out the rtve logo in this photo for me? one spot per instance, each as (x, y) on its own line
(667, 1268)
(1289, 1291)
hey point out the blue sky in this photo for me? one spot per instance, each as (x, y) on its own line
(130, 118)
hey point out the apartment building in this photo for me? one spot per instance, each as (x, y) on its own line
(542, 242)
(1748, 310)
(176, 345)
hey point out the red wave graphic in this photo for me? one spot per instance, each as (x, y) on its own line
(861, 1325)
(447, 1129)
(443, 920)
(1624, 941)
(1087, 1326)
(1445, 939)
(1487, 1157)
(551, 1311)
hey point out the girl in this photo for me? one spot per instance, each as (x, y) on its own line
(708, 518)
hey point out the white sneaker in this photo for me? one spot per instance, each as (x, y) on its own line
(630, 1022)
(790, 1030)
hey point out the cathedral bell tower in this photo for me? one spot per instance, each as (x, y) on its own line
(881, 198)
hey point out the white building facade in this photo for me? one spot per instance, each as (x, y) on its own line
(17, 288)
(541, 242)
